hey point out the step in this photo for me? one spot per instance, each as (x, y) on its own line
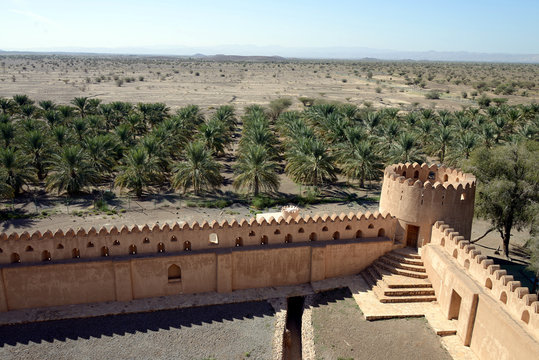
(408, 253)
(407, 291)
(368, 278)
(399, 265)
(399, 258)
(398, 271)
(407, 299)
(398, 281)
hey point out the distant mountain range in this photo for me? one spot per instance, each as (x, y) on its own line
(276, 53)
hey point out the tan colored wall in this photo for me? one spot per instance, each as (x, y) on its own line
(421, 202)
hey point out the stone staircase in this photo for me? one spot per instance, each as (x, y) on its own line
(399, 277)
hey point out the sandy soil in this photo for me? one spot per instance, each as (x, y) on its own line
(341, 332)
(175, 81)
(235, 331)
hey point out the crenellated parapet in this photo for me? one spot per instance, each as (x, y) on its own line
(419, 195)
(515, 298)
(150, 239)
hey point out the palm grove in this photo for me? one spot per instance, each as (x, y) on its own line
(146, 147)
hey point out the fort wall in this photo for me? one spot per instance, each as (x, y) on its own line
(496, 316)
(136, 263)
(420, 195)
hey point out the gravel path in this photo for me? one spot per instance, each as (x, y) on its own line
(234, 331)
(340, 331)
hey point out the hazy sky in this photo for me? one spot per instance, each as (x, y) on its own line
(456, 25)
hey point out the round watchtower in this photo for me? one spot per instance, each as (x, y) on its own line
(419, 195)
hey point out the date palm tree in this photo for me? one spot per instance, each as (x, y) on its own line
(6, 191)
(255, 171)
(310, 163)
(18, 169)
(81, 103)
(361, 161)
(137, 171)
(405, 149)
(71, 170)
(199, 170)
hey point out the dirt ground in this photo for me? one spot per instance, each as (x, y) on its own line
(178, 82)
(340, 332)
(235, 331)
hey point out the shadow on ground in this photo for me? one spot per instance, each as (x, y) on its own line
(129, 323)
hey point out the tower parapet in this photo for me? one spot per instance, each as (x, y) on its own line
(419, 195)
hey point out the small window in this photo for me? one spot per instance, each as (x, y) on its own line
(446, 178)
(348, 227)
(288, 238)
(15, 258)
(404, 173)
(359, 235)
(90, 244)
(251, 233)
(455, 254)
(277, 232)
(336, 235)
(45, 256)
(105, 251)
(301, 231)
(29, 248)
(457, 180)
(381, 232)
(160, 247)
(503, 297)
(313, 237)
(59, 246)
(371, 226)
(432, 175)
(174, 273)
(263, 240)
(116, 243)
(146, 241)
(187, 246)
(442, 242)
(214, 239)
(416, 174)
(75, 253)
(488, 284)
(462, 197)
(239, 241)
(132, 250)
(325, 228)
(173, 238)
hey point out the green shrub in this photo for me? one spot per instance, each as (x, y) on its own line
(432, 95)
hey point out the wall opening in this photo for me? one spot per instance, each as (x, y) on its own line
(75, 253)
(214, 239)
(404, 173)
(462, 197)
(263, 240)
(432, 175)
(29, 248)
(90, 244)
(336, 235)
(251, 233)
(442, 242)
(446, 178)
(325, 228)
(503, 297)
(416, 174)
(457, 180)
(104, 251)
(301, 231)
(454, 306)
(239, 241)
(467, 264)
(187, 246)
(146, 241)
(348, 227)
(277, 232)
(59, 247)
(488, 284)
(359, 235)
(15, 258)
(455, 254)
(288, 238)
(525, 316)
(160, 247)
(381, 233)
(371, 226)
(116, 243)
(174, 273)
(132, 250)
(173, 238)
(45, 256)
(313, 237)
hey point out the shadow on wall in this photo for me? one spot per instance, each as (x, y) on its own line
(129, 323)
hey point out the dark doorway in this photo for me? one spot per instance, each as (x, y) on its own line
(412, 233)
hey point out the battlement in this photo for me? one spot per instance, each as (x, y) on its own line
(147, 239)
(516, 299)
